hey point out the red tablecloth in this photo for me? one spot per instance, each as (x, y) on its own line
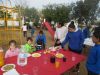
(46, 68)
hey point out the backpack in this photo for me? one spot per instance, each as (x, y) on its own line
(40, 45)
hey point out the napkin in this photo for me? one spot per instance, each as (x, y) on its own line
(11, 72)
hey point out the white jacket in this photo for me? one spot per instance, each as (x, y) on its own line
(60, 33)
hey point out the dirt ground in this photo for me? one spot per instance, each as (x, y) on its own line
(6, 36)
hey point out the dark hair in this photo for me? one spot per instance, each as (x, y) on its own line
(72, 22)
(97, 32)
(61, 23)
(29, 38)
(12, 41)
(57, 44)
(41, 32)
(71, 25)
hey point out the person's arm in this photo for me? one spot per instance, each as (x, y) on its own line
(65, 41)
(32, 49)
(7, 54)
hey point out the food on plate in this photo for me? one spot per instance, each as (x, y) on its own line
(47, 51)
(59, 55)
(36, 55)
(8, 67)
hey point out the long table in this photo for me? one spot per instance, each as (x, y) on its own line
(43, 66)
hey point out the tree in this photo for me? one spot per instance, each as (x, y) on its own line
(30, 13)
(56, 13)
(86, 9)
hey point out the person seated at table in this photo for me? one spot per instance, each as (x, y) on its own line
(13, 50)
(29, 46)
(93, 61)
(41, 39)
(75, 39)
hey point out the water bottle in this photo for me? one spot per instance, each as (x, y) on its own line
(22, 58)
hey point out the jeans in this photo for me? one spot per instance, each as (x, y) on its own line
(32, 32)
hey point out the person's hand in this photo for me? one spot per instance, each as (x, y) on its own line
(32, 46)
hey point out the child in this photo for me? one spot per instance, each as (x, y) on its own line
(12, 51)
(75, 39)
(24, 28)
(93, 61)
(28, 46)
(41, 38)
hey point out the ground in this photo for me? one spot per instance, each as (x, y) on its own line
(6, 36)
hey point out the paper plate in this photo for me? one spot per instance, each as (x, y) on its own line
(8, 67)
(36, 55)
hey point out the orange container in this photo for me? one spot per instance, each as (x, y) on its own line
(1, 58)
(57, 64)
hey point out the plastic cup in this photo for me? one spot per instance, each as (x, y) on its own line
(57, 64)
(73, 58)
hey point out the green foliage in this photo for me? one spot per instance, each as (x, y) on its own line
(56, 13)
(86, 9)
(30, 13)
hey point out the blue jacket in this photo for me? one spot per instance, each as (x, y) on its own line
(75, 40)
(93, 61)
(42, 38)
(86, 33)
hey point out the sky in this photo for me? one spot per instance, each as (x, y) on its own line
(40, 3)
